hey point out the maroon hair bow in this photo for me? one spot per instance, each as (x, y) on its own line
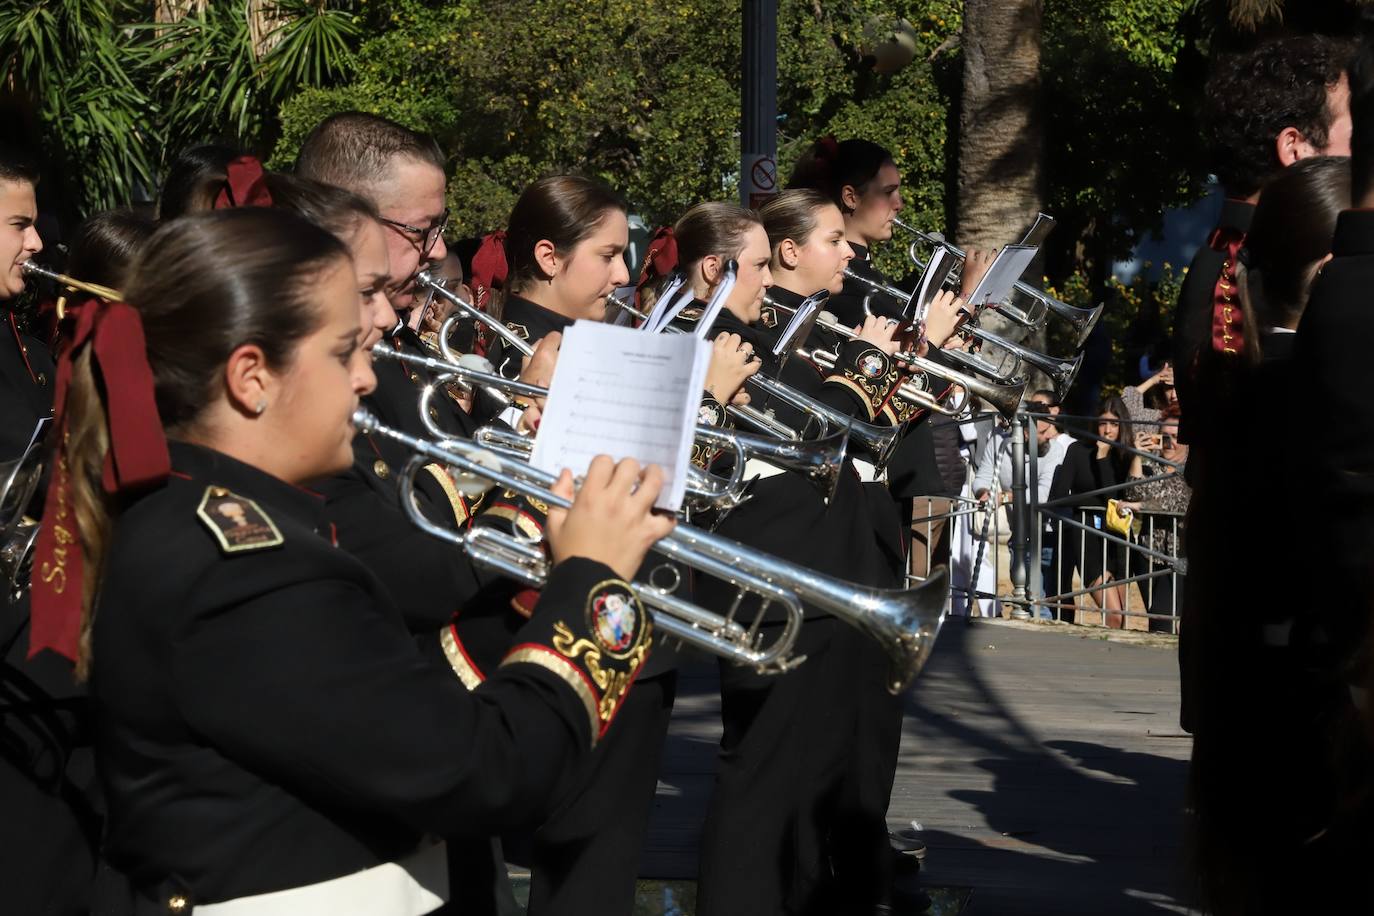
(829, 148)
(489, 267)
(137, 458)
(661, 260)
(245, 185)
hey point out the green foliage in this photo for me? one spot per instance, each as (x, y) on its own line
(116, 94)
(1121, 145)
(68, 58)
(641, 93)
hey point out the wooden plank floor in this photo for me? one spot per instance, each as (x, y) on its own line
(1044, 763)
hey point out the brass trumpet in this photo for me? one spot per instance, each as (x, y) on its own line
(1004, 395)
(820, 461)
(1061, 372)
(1082, 320)
(904, 621)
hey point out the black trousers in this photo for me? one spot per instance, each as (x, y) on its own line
(782, 797)
(585, 857)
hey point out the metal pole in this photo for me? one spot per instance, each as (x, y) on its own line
(1035, 581)
(1018, 515)
(758, 167)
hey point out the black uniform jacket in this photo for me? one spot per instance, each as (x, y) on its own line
(26, 386)
(852, 536)
(429, 579)
(531, 323)
(1194, 372)
(264, 719)
(1335, 464)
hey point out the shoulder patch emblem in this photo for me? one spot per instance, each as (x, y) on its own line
(709, 413)
(768, 317)
(691, 313)
(237, 523)
(613, 617)
(521, 331)
(872, 365)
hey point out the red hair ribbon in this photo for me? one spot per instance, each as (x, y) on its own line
(245, 185)
(137, 458)
(829, 148)
(1228, 338)
(489, 267)
(659, 262)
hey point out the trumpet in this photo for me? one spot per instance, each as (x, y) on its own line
(19, 481)
(1003, 394)
(904, 622)
(820, 462)
(1082, 320)
(1061, 372)
(95, 289)
(878, 440)
(432, 284)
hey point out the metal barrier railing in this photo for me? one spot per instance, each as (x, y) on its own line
(1077, 534)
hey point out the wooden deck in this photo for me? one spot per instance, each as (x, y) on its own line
(1044, 763)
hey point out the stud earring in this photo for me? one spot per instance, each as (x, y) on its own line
(262, 406)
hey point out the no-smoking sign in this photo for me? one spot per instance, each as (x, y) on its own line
(764, 174)
(760, 180)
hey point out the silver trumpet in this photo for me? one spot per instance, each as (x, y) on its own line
(19, 480)
(1061, 372)
(820, 462)
(822, 420)
(1004, 395)
(1082, 320)
(904, 622)
(428, 281)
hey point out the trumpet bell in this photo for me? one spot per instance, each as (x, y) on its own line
(16, 556)
(905, 622)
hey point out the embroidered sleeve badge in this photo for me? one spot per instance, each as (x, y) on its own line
(613, 617)
(237, 523)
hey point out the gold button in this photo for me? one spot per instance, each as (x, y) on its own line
(42, 380)
(176, 904)
(381, 469)
(415, 377)
(434, 413)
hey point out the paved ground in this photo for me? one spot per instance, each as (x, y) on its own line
(1044, 763)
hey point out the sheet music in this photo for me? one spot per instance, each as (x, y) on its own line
(791, 335)
(622, 393)
(932, 279)
(1011, 262)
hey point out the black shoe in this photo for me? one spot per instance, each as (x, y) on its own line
(907, 842)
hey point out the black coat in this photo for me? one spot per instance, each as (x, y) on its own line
(265, 720)
(429, 579)
(1194, 369)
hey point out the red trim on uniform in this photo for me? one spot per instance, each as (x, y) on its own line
(23, 350)
(540, 647)
(458, 644)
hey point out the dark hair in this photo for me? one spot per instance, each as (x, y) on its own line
(354, 150)
(1290, 233)
(830, 167)
(203, 285)
(1252, 96)
(713, 228)
(333, 209)
(194, 179)
(562, 209)
(792, 215)
(17, 164)
(1361, 76)
(1125, 433)
(105, 246)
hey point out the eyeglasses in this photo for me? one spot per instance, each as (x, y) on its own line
(425, 238)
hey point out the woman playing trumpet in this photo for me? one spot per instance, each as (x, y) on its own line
(264, 720)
